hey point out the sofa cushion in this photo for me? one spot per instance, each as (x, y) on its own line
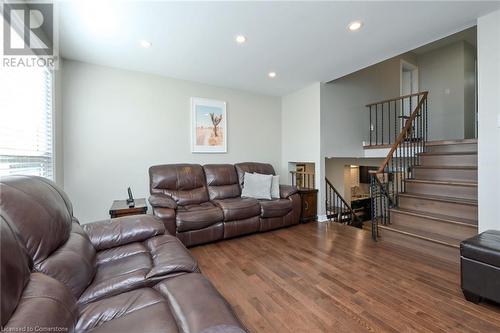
(484, 247)
(135, 265)
(44, 303)
(140, 310)
(114, 277)
(15, 270)
(222, 181)
(257, 186)
(275, 208)
(195, 217)
(38, 211)
(73, 264)
(238, 208)
(185, 183)
(252, 167)
(196, 304)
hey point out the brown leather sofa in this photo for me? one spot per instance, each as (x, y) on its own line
(120, 275)
(204, 204)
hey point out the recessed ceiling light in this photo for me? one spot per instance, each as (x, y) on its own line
(145, 44)
(272, 75)
(240, 39)
(354, 26)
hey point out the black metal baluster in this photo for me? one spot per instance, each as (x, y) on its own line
(376, 124)
(371, 125)
(382, 111)
(389, 123)
(395, 120)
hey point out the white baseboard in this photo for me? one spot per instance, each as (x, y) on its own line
(322, 218)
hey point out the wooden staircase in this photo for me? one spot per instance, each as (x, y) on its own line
(438, 206)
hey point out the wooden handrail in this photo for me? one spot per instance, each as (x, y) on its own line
(398, 98)
(341, 198)
(405, 130)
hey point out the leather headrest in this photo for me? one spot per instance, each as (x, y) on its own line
(253, 167)
(39, 212)
(15, 270)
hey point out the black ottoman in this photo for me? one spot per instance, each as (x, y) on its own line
(480, 266)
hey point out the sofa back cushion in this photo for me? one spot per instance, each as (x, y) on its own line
(15, 270)
(74, 263)
(41, 215)
(38, 211)
(222, 181)
(253, 167)
(185, 183)
(46, 305)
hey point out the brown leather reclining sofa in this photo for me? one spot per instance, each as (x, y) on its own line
(120, 275)
(204, 204)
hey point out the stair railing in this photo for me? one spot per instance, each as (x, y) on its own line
(389, 180)
(337, 208)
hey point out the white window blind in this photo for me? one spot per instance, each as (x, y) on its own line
(26, 122)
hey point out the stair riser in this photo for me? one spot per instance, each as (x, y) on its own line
(439, 207)
(421, 245)
(425, 225)
(448, 160)
(451, 148)
(455, 191)
(445, 174)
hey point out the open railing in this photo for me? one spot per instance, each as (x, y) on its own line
(303, 179)
(389, 180)
(389, 117)
(337, 209)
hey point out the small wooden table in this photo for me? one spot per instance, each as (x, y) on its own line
(309, 198)
(120, 208)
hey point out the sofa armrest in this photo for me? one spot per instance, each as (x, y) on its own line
(123, 230)
(287, 190)
(167, 216)
(162, 200)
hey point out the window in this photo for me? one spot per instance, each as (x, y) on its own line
(26, 122)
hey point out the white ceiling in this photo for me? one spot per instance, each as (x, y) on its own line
(303, 42)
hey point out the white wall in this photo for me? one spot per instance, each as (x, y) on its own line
(444, 73)
(470, 57)
(118, 123)
(300, 136)
(344, 116)
(488, 52)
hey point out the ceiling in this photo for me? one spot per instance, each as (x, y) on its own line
(303, 42)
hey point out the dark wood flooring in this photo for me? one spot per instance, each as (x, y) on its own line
(326, 277)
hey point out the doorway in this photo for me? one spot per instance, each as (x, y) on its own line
(408, 86)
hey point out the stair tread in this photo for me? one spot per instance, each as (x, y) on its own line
(426, 235)
(439, 198)
(441, 182)
(449, 167)
(439, 217)
(432, 153)
(451, 142)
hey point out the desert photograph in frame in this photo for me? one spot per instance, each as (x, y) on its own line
(208, 126)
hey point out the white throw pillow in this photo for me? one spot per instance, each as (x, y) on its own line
(257, 186)
(275, 187)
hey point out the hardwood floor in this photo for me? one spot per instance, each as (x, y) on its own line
(326, 277)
